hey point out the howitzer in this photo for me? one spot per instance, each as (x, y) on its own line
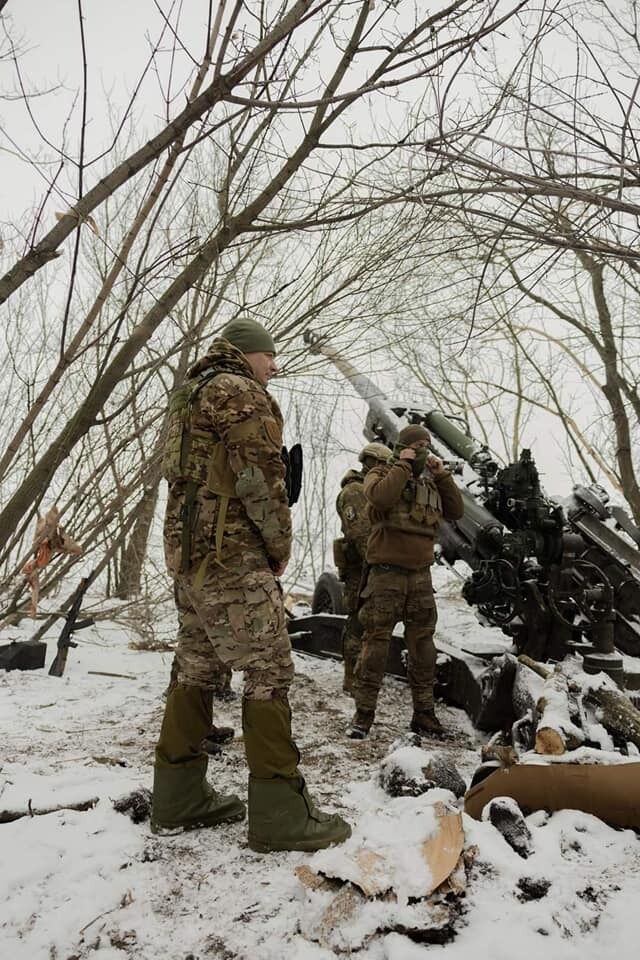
(554, 577)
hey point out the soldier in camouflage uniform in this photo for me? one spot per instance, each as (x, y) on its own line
(227, 537)
(349, 550)
(405, 507)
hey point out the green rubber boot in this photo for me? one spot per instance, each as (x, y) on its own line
(182, 798)
(282, 815)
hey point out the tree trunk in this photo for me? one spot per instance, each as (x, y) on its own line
(130, 575)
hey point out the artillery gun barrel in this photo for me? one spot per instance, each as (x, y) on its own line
(477, 533)
(378, 402)
(457, 441)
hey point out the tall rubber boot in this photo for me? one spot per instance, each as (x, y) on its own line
(182, 798)
(282, 815)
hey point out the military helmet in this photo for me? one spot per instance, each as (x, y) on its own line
(377, 451)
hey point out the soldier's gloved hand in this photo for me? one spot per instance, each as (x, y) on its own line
(436, 466)
(278, 567)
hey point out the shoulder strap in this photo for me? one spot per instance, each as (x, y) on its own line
(200, 380)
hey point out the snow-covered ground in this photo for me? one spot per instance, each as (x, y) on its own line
(82, 883)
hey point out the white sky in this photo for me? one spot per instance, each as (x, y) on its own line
(117, 36)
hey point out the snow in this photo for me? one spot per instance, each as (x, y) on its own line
(77, 884)
(395, 830)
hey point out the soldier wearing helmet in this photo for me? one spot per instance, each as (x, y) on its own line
(349, 550)
(407, 496)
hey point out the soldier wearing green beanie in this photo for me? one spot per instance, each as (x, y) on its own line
(405, 507)
(249, 336)
(227, 537)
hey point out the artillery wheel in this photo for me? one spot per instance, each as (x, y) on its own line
(590, 599)
(328, 596)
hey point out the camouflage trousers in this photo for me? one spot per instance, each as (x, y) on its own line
(188, 625)
(235, 618)
(352, 633)
(394, 595)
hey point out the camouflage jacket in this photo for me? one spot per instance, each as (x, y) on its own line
(351, 506)
(234, 408)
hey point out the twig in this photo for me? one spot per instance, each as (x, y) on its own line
(103, 673)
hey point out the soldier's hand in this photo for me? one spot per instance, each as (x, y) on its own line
(407, 454)
(436, 465)
(278, 568)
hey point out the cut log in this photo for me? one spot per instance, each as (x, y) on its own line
(540, 668)
(555, 731)
(550, 742)
(497, 701)
(507, 817)
(528, 687)
(506, 754)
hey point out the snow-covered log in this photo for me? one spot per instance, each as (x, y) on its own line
(616, 712)
(9, 815)
(555, 731)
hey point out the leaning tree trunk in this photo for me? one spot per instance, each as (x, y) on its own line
(130, 574)
(555, 732)
(39, 478)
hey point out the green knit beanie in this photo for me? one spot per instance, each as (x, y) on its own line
(249, 336)
(414, 433)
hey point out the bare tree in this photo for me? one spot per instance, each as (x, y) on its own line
(543, 207)
(276, 176)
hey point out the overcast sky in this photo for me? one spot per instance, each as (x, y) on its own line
(118, 36)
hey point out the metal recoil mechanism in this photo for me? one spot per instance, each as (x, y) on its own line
(555, 578)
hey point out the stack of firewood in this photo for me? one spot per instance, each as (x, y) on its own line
(557, 709)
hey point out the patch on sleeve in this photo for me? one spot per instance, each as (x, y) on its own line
(273, 431)
(350, 513)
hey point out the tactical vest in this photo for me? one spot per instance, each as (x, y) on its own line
(418, 510)
(198, 459)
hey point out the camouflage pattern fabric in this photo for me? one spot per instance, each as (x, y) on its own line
(242, 623)
(233, 407)
(405, 512)
(392, 595)
(189, 625)
(352, 633)
(352, 508)
(232, 612)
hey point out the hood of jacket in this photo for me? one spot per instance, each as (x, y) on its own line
(352, 476)
(224, 357)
